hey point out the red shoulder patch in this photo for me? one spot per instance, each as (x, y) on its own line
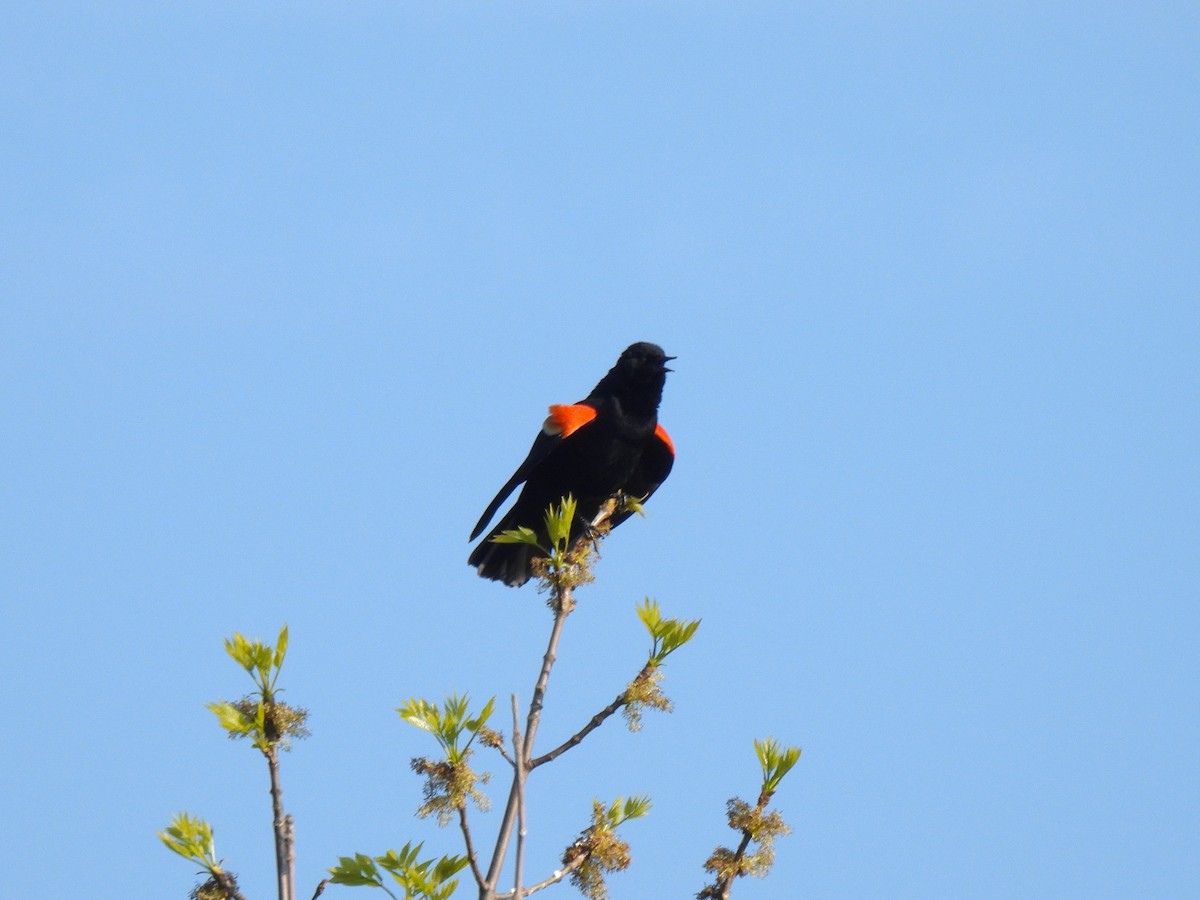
(565, 420)
(661, 434)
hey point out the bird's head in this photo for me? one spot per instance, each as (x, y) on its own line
(638, 377)
(644, 356)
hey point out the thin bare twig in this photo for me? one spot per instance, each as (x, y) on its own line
(471, 856)
(289, 831)
(595, 722)
(504, 753)
(284, 855)
(552, 880)
(563, 603)
(487, 892)
(523, 747)
(521, 756)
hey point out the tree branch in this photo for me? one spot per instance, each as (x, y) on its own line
(552, 880)
(596, 721)
(726, 885)
(284, 854)
(471, 856)
(523, 747)
(493, 873)
(562, 603)
(289, 833)
(504, 753)
(521, 757)
(228, 884)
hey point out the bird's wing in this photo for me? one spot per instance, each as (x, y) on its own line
(563, 421)
(658, 456)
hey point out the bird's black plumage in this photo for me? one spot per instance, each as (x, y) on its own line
(608, 442)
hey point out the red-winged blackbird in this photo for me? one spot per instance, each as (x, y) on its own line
(608, 442)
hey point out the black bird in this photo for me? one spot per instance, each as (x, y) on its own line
(608, 442)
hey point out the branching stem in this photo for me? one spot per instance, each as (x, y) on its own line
(522, 746)
(520, 756)
(472, 858)
(228, 885)
(285, 855)
(726, 884)
(595, 722)
(552, 880)
(562, 602)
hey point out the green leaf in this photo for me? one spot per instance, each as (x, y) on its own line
(637, 806)
(473, 725)
(357, 870)
(264, 657)
(634, 807)
(447, 723)
(281, 647)
(522, 535)
(667, 635)
(191, 838)
(261, 662)
(650, 614)
(260, 718)
(634, 505)
(776, 761)
(428, 879)
(398, 861)
(420, 713)
(239, 648)
(559, 520)
(448, 867)
(231, 718)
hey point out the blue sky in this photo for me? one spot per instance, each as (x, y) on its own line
(288, 287)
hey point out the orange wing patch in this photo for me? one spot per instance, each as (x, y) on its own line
(565, 420)
(661, 434)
